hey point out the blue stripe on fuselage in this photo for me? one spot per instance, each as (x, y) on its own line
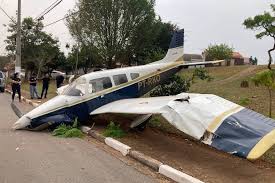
(82, 110)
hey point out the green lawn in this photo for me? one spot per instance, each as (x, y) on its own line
(25, 87)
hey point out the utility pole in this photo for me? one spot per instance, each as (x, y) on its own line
(18, 40)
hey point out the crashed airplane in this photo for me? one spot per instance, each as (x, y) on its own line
(207, 118)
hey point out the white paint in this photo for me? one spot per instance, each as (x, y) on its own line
(176, 175)
(22, 123)
(124, 149)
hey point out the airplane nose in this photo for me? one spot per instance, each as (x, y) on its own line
(23, 122)
(45, 108)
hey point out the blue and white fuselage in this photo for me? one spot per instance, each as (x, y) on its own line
(94, 90)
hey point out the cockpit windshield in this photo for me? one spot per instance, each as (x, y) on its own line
(76, 88)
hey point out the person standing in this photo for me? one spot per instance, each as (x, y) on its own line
(59, 80)
(45, 87)
(16, 86)
(33, 89)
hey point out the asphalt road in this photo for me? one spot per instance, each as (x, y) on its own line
(31, 157)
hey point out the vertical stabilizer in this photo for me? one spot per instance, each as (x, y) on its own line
(176, 48)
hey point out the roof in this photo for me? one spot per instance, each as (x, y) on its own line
(237, 55)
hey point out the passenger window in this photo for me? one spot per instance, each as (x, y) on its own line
(97, 85)
(120, 79)
(134, 75)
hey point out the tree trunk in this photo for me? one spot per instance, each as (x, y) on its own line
(110, 62)
(270, 57)
(270, 103)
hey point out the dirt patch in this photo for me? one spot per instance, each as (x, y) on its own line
(197, 159)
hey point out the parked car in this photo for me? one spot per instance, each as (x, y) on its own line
(2, 82)
(57, 73)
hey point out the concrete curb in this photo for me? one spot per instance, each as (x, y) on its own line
(97, 136)
(24, 99)
(156, 165)
(124, 149)
(176, 175)
(146, 160)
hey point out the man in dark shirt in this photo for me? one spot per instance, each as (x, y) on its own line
(45, 87)
(16, 86)
(59, 80)
(33, 89)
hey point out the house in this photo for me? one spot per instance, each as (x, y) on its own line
(237, 59)
(192, 58)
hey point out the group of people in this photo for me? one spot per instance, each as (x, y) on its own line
(16, 85)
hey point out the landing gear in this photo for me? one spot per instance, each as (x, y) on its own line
(140, 122)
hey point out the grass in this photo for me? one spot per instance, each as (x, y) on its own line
(68, 131)
(114, 131)
(230, 89)
(25, 87)
(244, 101)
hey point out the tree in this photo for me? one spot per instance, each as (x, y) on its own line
(174, 86)
(87, 58)
(157, 43)
(218, 52)
(112, 27)
(266, 79)
(38, 47)
(265, 25)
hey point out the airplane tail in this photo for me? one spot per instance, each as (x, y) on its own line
(176, 48)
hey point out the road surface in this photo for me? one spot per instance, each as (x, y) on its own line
(31, 157)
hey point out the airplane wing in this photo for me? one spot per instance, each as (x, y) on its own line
(210, 119)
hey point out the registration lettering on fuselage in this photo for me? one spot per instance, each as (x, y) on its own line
(150, 82)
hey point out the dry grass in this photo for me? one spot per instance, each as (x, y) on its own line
(226, 83)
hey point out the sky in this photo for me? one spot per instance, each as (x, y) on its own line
(205, 22)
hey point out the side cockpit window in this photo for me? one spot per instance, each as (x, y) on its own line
(120, 79)
(97, 85)
(134, 76)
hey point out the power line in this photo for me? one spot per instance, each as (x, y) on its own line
(61, 19)
(46, 9)
(7, 15)
(50, 8)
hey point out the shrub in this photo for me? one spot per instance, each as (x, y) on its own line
(114, 130)
(244, 84)
(68, 131)
(244, 101)
(202, 74)
(175, 85)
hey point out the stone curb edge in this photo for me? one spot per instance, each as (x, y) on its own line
(154, 164)
(24, 99)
